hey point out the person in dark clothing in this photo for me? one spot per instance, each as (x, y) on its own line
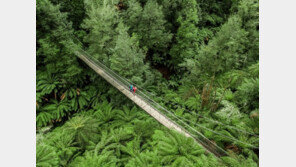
(131, 88)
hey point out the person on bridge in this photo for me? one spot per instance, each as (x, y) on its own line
(134, 89)
(131, 88)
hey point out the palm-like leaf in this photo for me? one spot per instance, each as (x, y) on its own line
(80, 100)
(43, 118)
(132, 148)
(145, 159)
(105, 113)
(97, 148)
(91, 159)
(238, 161)
(172, 146)
(58, 109)
(64, 143)
(126, 115)
(46, 156)
(193, 102)
(83, 128)
(47, 84)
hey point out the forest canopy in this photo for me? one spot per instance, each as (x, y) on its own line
(197, 58)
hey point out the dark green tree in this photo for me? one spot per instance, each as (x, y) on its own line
(101, 21)
(249, 12)
(127, 58)
(187, 37)
(224, 52)
(152, 31)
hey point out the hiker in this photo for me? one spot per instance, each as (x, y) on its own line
(134, 89)
(131, 88)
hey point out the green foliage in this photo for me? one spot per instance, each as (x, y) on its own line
(208, 51)
(93, 160)
(126, 115)
(43, 118)
(80, 100)
(145, 159)
(47, 84)
(46, 156)
(141, 129)
(132, 15)
(127, 58)
(64, 144)
(248, 10)
(104, 113)
(54, 42)
(247, 95)
(194, 103)
(238, 162)
(75, 9)
(149, 24)
(151, 28)
(227, 50)
(58, 109)
(176, 149)
(187, 36)
(83, 128)
(101, 21)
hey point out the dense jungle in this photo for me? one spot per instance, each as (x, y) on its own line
(197, 58)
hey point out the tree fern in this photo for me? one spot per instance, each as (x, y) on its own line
(133, 147)
(247, 95)
(126, 115)
(58, 109)
(43, 118)
(46, 156)
(83, 128)
(238, 161)
(208, 161)
(96, 96)
(140, 127)
(145, 159)
(105, 113)
(80, 100)
(64, 144)
(93, 160)
(194, 103)
(172, 146)
(47, 83)
(98, 147)
(254, 70)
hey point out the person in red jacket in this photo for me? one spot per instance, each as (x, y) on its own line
(134, 89)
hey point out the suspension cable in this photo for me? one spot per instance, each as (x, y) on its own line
(179, 118)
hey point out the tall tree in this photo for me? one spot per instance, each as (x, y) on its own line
(152, 31)
(224, 52)
(187, 37)
(75, 10)
(132, 15)
(57, 65)
(127, 58)
(54, 42)
(101, 21)
(248, 10)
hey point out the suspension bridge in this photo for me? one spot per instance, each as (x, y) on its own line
(158, 112)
